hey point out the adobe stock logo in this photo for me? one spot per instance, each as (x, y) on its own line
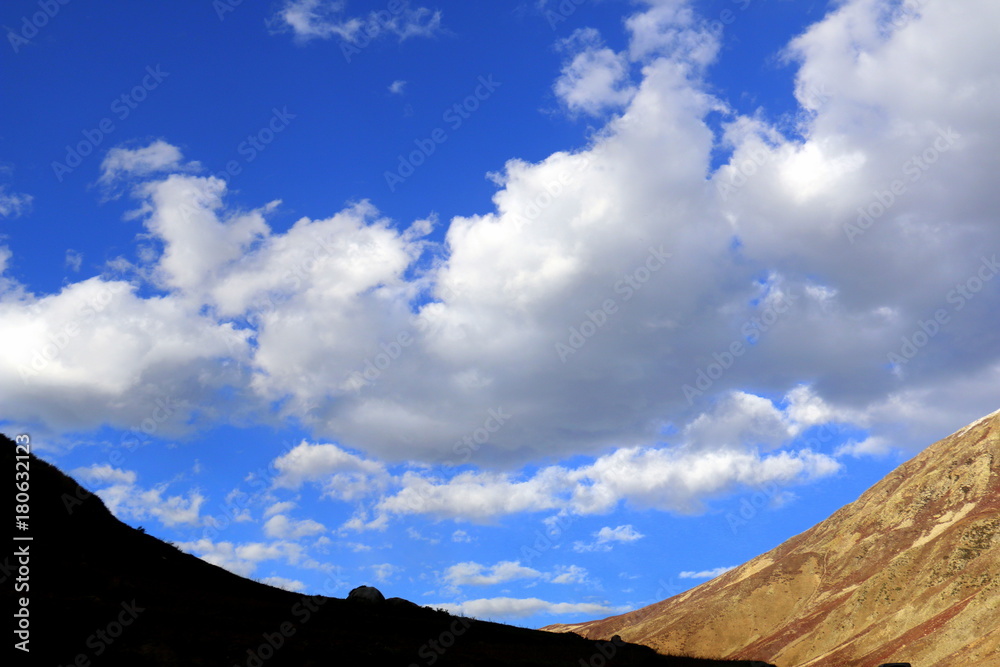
(31, 25)
(122, 107)
(958, 297)
(562, 12)
(914, 169)
(596, 319)
(750, 332)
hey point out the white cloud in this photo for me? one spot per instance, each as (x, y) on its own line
(157, 157)
(97, 474)
(606, 536)
(279, 508)
(671, 30)
(13, 204)
(397, 86)
(740, 419)
(323, 19)
(97, 352)
(511, 283)
(293, 585)
(199, 244)
(282, 527)
(242, 559)
(415, 534)
(344, 475)
(475, 574)
(679, 480)
(126, 500)
(706, 574)
(873, 446)
(137, 503)
(385, 571)
(74, 260)
(595, 79)
(626, 533)
(721, 452)
(242, 516)
(474, 495)
(507, 608)
(571, 574)
(461, 536)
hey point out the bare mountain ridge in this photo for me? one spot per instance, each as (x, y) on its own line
(908, 572)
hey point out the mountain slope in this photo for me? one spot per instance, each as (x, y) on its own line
(908, 572)
(103, 593)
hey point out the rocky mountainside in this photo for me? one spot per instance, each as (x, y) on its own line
(908, 572)
(88, 589)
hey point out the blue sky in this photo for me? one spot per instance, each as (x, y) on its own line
(536, 311)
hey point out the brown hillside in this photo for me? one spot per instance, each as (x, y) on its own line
(908, 572)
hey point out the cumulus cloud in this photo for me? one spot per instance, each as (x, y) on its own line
(671, 29)
(279, 508)
(722, 453)
(293, 585)
(127, 500)
(672, 284)
(472, 573)
(570, 574)
(607, 536)
(104, 474)
(595, 79)
(472, 495)
(242, 559)
(385, 571)
(740, 418)
(344, 475)
(476, 574)
(873, 446)
(97, 352)
(282, 527)
(13, 204)
(719, 452)
(506, 608)
(157, 157)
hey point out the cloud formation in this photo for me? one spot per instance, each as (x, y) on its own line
(127, 500)
(801, 261)
(506, 607)
(607, 536)
(243, 559)
(13, 204)
(282, 527)
(595, 79)
(476, 574)
(157, 157)
(324, 19)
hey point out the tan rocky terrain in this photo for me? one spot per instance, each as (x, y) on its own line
(908, 572)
